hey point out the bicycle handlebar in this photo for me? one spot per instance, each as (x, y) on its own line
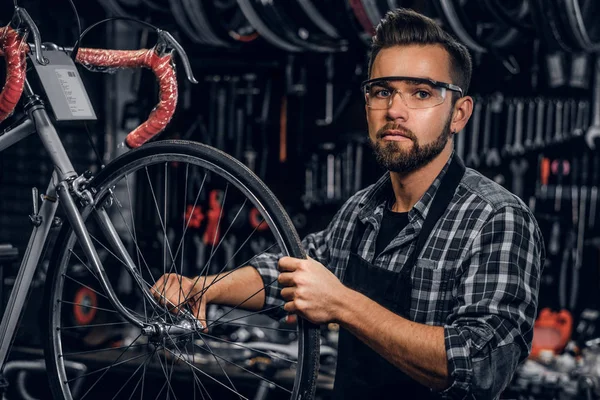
(14, 49)
(162, 66)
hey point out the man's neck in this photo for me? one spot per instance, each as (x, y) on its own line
(409, 188)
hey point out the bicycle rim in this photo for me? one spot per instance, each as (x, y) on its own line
(156, 196)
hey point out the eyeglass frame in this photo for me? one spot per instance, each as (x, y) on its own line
(443, 85)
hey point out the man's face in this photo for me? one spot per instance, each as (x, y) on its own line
(402, 138)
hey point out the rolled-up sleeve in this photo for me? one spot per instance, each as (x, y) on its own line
(491, 327)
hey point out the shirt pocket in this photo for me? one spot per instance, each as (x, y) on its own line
(432, 283)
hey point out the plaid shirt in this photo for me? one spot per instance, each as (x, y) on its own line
(477, 276)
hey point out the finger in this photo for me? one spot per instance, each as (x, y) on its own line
(286, 279)
(288, 293)
(290, 307)
(288, 264)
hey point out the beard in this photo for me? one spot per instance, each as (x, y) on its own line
(393, 157)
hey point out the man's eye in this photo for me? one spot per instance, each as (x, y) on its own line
(422, 95)
(381, 93)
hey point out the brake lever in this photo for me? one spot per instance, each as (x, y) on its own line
(166, 42)
(24, 16)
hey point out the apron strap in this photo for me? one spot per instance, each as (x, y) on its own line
(440, 204)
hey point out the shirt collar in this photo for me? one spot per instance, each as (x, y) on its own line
(380, 192)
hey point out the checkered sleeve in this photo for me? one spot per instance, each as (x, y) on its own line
(491, 327)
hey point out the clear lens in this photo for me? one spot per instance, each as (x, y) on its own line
(379, 96)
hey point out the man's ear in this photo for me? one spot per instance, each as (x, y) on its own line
(461, 114)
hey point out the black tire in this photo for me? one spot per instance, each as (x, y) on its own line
(62, 346)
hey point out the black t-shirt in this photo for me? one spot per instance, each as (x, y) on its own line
(391, 225)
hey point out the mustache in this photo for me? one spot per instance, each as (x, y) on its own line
(395, 127)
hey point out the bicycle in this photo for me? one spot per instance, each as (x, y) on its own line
(100, 313)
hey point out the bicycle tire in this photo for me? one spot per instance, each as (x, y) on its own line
(158, 154)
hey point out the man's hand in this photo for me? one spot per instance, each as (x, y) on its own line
(310, 289)
(174, 291)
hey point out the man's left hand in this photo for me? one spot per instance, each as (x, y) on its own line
(310, 289)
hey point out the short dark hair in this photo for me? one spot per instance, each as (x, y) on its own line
(407, 27)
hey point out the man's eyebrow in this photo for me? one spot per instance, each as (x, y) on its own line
(382, 83)
(418, 82)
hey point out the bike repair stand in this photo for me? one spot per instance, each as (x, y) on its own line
(8, 254)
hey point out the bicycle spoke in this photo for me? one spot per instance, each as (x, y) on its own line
(255, 326)
(100, 350)
(248, 347)
(86, 306)
(219, 364)
(132, 375)
(167, 378)
(93, 325)
(205, 374)
(222, 238)
(105, 369)
(202, 291)
(162, 223)
(243, 316)
(246, 370)
(249, 297)
(84, 285)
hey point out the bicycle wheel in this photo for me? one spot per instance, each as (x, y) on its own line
(161, 199)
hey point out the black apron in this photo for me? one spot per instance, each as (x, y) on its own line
(361, 372)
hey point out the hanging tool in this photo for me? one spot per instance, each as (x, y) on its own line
(538, 143)
(594, 190)
(530, 125)
(329, 68)
(250, 154)
(518, 167)
(549, 124)
(487, 128)
(473, 156)
(558, 121)
(560, 168)
(493, 156)
(593, 132)
(582, 110)
(510, 127)
(517, 147)
(580, 232)
(211, 235)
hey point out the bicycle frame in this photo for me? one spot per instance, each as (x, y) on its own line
(58, 191)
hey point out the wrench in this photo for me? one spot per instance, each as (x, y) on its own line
(549, 125)
(530, 124)
(594, 191)
(487, 128)
(558, 122)
(593, 131)
(510, 128)
(460, 143)
(518, 168)
(473, 158)
(567, 123)
(582, 110)
(517, 148)
(493, 156)
(538, 143)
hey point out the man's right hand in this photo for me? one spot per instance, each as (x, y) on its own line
(174, 291)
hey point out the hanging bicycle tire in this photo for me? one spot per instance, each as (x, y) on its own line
(161, 199)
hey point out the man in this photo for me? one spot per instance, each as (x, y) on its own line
(433, 272)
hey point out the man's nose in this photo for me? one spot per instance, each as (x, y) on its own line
(398, 108)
